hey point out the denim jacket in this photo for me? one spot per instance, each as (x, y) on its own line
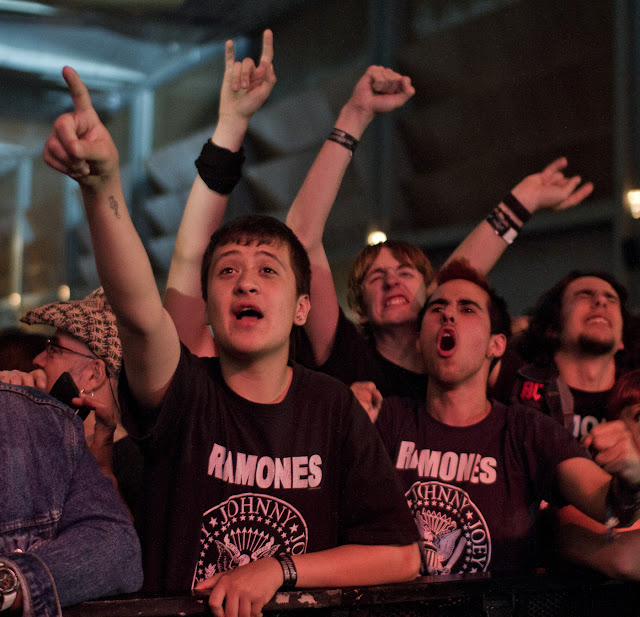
(63, 527)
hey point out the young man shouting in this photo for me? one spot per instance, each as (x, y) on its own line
(475, 472)
(259, 473)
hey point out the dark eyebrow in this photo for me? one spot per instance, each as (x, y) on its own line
(233, 252)
(465, 302)
(591, 291)
(438, 301)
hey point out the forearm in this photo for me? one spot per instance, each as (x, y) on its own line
(617, 556)
(312, 205)
(357, 564)
(203, 213)
(121, 260)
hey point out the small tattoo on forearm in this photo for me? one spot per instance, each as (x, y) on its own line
(113, 204)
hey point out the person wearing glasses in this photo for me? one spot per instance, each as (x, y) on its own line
(86, 347)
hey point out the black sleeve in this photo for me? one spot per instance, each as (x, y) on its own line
(150, 426)
(547, 444)
(374, 510)
(351, 356)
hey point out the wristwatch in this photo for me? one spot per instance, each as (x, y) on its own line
(9, 585)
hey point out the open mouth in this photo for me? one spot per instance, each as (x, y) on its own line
(395, 300)
(248, 313)
(446, 340)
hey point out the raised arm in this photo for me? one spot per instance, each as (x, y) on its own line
(244, 89)
(81, 147)
(379, 90)
(548, 190)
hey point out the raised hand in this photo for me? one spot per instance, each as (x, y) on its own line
(551, 189)
(245, 86)
(79, 145)
(380, 90)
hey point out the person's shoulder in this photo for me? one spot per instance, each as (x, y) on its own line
(527, 418)
(25, 408)
(25, 396)
(396, 408)
(315, 383)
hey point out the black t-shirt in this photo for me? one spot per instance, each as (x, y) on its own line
(228, 481)
(589, 409)
(354, 358)
(475, 491)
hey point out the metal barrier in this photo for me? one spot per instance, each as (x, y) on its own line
(481, 595)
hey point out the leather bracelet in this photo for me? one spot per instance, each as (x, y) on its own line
(503, 225)
(344, 139)
(516, 207)
(219, 168)
(289, 572)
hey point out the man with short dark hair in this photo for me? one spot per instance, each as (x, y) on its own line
(259, 474)
(475, 472)
(573, 338)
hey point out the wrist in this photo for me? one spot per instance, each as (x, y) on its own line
(526, 198)
(289, 571)
(354, 120)
(230, 132)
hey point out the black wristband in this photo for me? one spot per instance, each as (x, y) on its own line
(502, 225)
(219, 168)
(289, 572)
(516, 207)
(344, 139)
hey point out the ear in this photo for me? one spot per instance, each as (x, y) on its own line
(302, 310)
(94, 375)
(497, 346)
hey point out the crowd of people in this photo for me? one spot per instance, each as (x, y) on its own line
(259, 439)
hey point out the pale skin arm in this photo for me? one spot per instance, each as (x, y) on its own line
(379, 90)
(244, 89)
(81, 147)
(245, 590)
(548, 190)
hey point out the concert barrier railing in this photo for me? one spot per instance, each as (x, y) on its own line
(472, 595)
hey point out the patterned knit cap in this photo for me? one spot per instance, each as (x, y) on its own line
(90, 320)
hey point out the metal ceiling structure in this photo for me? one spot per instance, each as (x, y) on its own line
(124, 50)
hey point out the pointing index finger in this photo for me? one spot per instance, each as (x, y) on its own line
(78, 91)
(267, 47)
(229, 56)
